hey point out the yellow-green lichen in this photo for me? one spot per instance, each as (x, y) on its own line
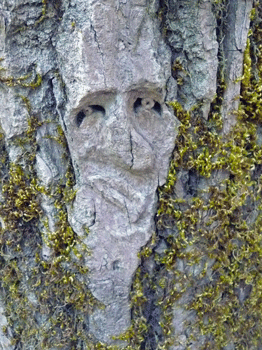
(22, 81)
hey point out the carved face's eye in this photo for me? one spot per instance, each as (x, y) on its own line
(147, 104)
(92, 113)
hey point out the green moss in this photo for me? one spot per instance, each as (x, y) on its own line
(44, 7)
(22, 81)
(55, 288)
(61, 294)
(216, 234)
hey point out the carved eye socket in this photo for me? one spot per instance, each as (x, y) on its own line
(93, 110)
(147, 104)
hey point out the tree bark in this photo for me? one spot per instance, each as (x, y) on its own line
(130, 167)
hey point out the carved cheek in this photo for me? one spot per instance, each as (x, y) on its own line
(147, 122)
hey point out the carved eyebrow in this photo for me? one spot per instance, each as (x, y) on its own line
(147, 90)
(155, 93)
(150, 87)
(97, 93)
(94, 96)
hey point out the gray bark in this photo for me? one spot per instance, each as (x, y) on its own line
(192, 33)
(107, 78)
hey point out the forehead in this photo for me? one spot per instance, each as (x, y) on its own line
(122, 48)
(125, 70)
(116, 48)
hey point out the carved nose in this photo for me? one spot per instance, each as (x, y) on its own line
(120, 136)
(142, 154)
(130, 148)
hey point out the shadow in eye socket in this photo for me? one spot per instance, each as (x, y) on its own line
(97, 108)
(157, 108)
(91, 109)
(80, 117)
(138, 104)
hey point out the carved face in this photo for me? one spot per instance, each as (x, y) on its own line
(120, 134)
(111, 124)
(122, 142)
(118, 141)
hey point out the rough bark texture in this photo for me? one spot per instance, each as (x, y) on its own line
(211, 43)
(115, 67)
(90, 247)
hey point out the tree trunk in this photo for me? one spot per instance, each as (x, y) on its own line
(131, 166)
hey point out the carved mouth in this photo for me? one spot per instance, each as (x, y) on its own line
(133, 198)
